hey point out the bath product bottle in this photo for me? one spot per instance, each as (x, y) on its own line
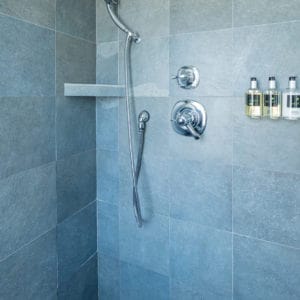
(272, 101)
(291, 101)
(254, 100)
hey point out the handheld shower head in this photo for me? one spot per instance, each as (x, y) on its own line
(109, 4)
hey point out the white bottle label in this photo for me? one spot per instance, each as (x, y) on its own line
(291, 106)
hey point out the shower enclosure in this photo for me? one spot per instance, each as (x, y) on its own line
(220, 215)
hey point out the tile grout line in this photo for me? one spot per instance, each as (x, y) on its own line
(27, 244)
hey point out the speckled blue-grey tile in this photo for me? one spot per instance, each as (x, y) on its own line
(200, 260)
(199, 15)
(149, 67)
(266, 205)
(108, 176)
(266, 144)
(201, 192)
(76, 183)
(27, 59)
(76, 241)
(35, 11)
(27, 207)
(179, 291)
(107, 63)
(106, 30)
(250, 60)
(75, 125)
(84, 283)
(75, 61)
(215, 144)
(211, 53)
(31, 273)
(108, 229)
(108, 278)
(107, 123)
(138, 283)
(264, 11)
(148, 18)
(26, 142)
(264, 270)
(147, 246)
(77, 18)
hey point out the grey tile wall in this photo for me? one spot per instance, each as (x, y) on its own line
(36, 129)
(27, 59)
(221, 214)
(77, 18)
(34, 11)
(17, 278)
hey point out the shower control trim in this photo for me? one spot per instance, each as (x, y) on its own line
(189, 118)
(188, 77)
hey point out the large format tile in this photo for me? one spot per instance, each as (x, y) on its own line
(200, 261)
(108, 229)
(31, 273)
(108, 278)
(198, 15)
(77, 18)
(264, 11)
(108, 176)
(27, 207)
(266, 205)
(266, 144)
(27, 59)
(265, 271)
(76, 183)
(148, 246)
(107, 123)
(84, 283)
(75, 61)
(107, 63)
(106, 30)
(148, 18)
(75, 125)
(201, 193)
(149, 67)
(76, 242)
(211, 53)
(35, 11)
(137, 283)
(250, 60)
(215, 145)
(26, 142)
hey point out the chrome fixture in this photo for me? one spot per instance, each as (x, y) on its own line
(135, 171)
(188, 77)
(111, 8)
(189, 118)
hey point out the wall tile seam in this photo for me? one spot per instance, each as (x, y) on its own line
(266, 24)
(256, 168)
(44, 165)
(26, 21)
(66, 157)
(76, 212)
(76, 154)
(236, 234)
(76, 37)
(28, 243)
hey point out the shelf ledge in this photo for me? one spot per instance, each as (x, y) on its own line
(94, 90)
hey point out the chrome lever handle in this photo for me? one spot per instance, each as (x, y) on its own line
(193, 132)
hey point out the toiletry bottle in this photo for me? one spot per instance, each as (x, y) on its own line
(272, 101)
(254, 100)
(291, 101)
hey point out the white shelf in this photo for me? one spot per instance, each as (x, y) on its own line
(94, 90)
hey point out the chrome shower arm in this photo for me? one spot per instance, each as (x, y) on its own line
(135, 36)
